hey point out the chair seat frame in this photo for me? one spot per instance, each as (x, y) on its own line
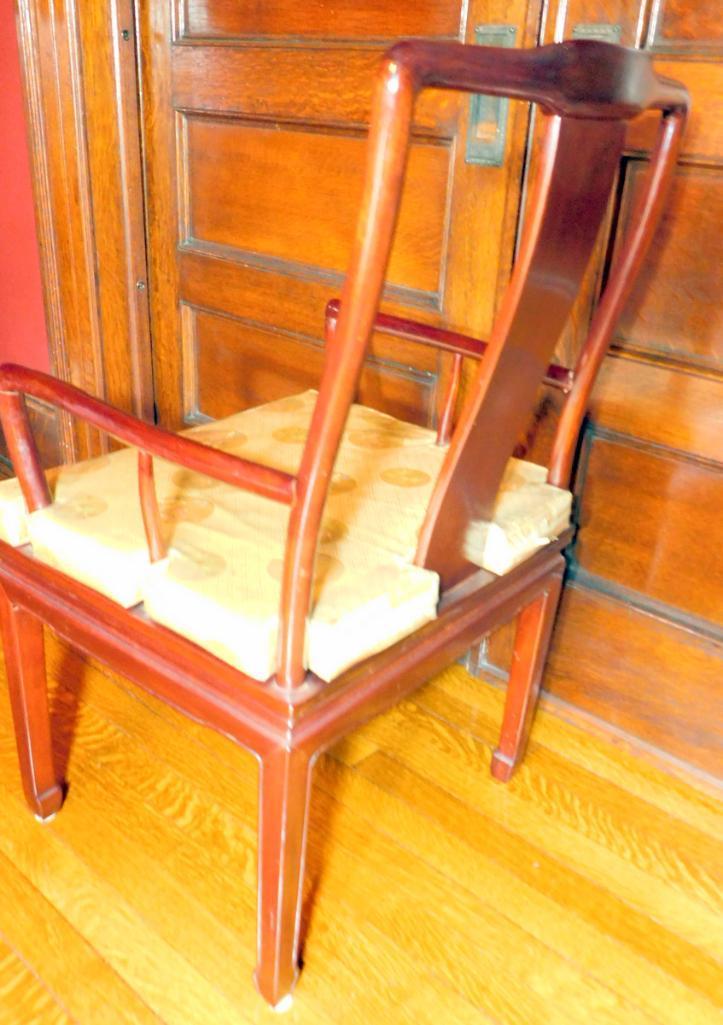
(289, 720)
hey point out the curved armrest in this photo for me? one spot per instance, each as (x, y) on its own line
(17, 381)
(440, 338)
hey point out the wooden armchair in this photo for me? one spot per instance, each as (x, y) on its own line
(325, 657)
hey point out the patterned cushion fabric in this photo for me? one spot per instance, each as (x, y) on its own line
(220, 584)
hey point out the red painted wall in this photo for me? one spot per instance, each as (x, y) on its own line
(23, 336)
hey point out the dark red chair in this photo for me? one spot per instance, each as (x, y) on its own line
(587, 91)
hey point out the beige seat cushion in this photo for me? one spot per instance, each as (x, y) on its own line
(220, 584)
(528, 514)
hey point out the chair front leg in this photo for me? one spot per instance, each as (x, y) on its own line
(27, 686)
(284, 789)
(532, 641)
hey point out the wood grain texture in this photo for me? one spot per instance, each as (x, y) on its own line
(662, 404)
(443, 896)
(346, 19)
(69, 966)
(648, 521)
(23, 997)
(629, 670)
(111, 125)
(283, 213)
(704, 134)
(319, 91)
(675, 309)
(47, 430)
(296, 84)
(654, 680)
(250, 366)
(682, 26)
(565, 16)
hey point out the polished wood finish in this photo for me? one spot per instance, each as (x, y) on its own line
(634, 248)
(262, 319)
(439, 338)
(250, 277)
(157, 546)
(679, 715)
(82, 102)
(376, 19)
(587, 89)
(25, 673)
(658, 402)
(17, 381)
(439, 896)
(680, 320)
(677, 25)
(532, 640)
(619, 537)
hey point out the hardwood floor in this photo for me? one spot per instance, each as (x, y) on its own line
(587, 890)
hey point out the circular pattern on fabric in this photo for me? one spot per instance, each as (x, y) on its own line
(292, 404)
(195, 563)
(81, 507)
(326, 568)
(405, 477)
(365, 413)
(371, 438)
(293, 435)
(188, 480)
(341, 483)
(221, 439)
(331, 531)
(185, 510)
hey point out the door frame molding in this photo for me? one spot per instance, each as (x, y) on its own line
(78, 64)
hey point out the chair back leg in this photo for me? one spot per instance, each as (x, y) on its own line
(27, 687)
(532, 641)
(284, 789)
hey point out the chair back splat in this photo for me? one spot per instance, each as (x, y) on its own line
(589, 89)
(215, 638)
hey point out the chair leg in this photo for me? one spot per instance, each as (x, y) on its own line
(284, 788)
(27, 686)
(532, 640)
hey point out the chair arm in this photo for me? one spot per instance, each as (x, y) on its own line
(17, 381)
(440, 338)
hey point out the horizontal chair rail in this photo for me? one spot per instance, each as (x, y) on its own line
(16, 381)
(258, 715)
(557, 376)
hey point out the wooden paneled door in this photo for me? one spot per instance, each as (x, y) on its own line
(254, 121)
(639, 640)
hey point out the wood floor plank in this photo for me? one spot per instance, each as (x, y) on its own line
(134, 769)
(171, 823)
(110, 924)
(584, 891)
(680, 953)
(566, 818)
(24, 1000)
(78, 975)
(615, 817)
(580, 920)
(479, 707)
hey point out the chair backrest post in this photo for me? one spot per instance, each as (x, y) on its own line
(636, 243)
